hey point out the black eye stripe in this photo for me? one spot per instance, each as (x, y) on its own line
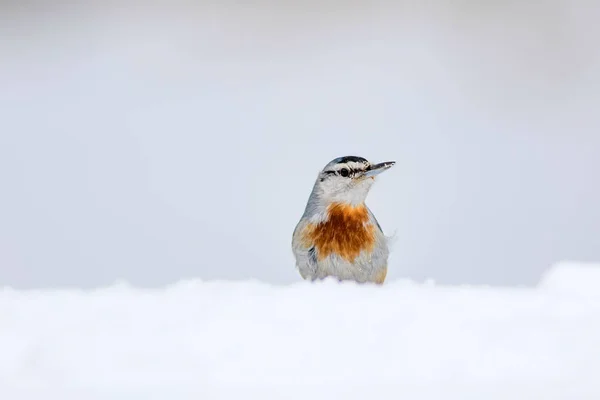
(345, 172)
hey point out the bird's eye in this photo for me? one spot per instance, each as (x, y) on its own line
(344, 172)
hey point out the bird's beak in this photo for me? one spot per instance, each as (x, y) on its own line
(379, 168)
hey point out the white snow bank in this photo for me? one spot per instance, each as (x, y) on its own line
(225, 340)
(574, 278)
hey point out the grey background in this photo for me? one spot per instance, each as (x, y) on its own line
(160, 142)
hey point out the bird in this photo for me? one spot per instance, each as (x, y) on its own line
(338, 236)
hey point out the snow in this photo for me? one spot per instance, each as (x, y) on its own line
(252, 340)
(573, 278)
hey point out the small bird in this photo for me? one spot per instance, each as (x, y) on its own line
(338, 235)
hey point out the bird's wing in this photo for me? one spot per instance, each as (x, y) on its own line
(306, 257)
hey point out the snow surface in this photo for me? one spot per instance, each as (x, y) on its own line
(247, 340)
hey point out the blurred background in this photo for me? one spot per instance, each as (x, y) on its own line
(154, 142)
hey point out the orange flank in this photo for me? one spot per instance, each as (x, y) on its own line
(346, 232)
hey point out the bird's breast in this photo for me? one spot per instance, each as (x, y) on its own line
(346, 232)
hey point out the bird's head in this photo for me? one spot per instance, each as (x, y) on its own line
(347, 180)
